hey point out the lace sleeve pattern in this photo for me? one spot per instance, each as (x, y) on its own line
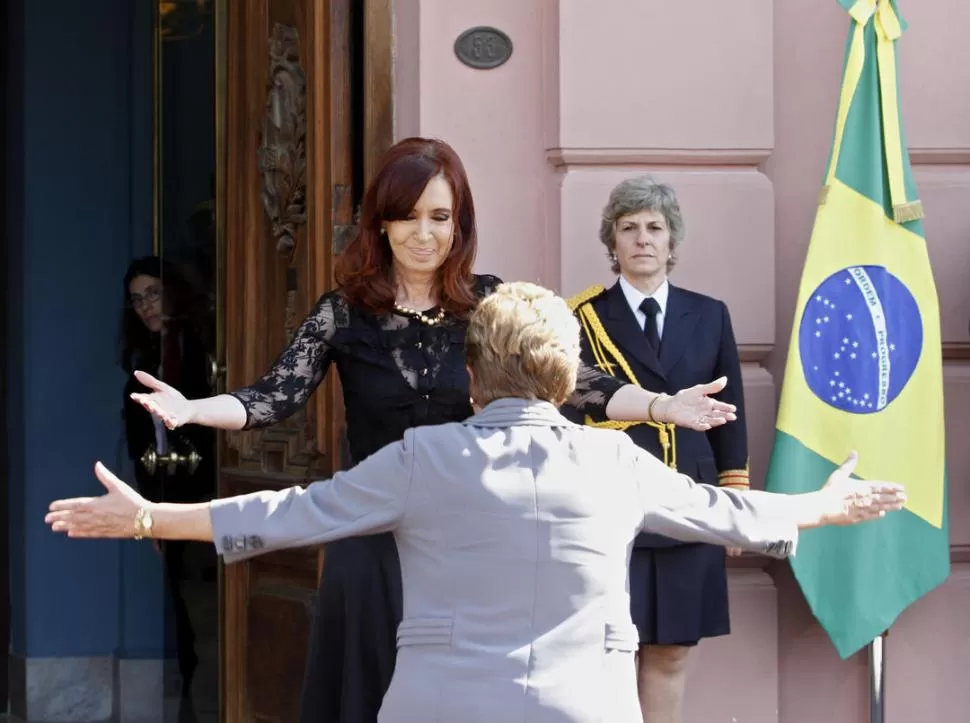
(594, 389)
(298, 370)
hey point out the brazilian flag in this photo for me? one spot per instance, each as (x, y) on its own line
(865, 369)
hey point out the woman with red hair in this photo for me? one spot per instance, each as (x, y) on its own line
(395, 328)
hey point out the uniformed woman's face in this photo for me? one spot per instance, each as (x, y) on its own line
(642, 245)
(422, 241)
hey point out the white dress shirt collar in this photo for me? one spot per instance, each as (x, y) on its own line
(635, 297)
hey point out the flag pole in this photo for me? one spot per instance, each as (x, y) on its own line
(877, 679)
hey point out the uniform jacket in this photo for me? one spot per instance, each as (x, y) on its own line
(697, 346)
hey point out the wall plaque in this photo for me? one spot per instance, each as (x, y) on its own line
(483, 47)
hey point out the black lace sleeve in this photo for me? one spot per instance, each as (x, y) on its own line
(297, 371)
(594, 389)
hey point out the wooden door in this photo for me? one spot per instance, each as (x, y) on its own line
(287, 194)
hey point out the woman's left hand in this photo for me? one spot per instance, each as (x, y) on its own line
(110, 516)
(693, 407)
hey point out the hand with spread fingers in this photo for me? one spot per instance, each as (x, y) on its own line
(111, 515)
(694, 408)
(164, 401)
(846, 500)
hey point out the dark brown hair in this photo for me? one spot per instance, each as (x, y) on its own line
(364, 270)
(136, 343)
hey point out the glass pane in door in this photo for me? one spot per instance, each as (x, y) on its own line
(181, 465)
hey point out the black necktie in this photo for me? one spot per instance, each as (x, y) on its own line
(651, 308)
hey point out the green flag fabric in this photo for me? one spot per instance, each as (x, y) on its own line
(865, 369)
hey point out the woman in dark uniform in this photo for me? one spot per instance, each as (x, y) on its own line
(645, 331)
(162, 335)
(395, 330)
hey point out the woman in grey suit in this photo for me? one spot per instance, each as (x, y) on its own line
(513, 561)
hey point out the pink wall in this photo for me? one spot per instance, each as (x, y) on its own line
(732, 103)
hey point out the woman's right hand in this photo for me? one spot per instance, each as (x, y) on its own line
(164, 401)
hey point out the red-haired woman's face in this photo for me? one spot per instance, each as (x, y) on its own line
(422, 241)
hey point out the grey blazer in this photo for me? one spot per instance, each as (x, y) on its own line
(514, 530)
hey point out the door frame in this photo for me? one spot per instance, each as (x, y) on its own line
(5, 295)
(378, 83)
(376, 38)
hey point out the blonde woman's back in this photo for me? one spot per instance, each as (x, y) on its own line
(513, 547)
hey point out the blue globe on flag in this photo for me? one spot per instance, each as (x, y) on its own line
(860, 339)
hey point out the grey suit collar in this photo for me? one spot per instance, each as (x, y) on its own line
(515, 412)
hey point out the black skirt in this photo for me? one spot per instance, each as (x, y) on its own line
(353, 641)
(678, 594)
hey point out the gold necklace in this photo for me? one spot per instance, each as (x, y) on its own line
(420, 315)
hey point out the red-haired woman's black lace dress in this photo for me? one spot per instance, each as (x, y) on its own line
(396, 372)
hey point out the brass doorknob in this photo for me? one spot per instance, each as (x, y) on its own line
(216, 371)
(151, 460)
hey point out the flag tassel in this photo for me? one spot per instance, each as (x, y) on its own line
(888, 30)
(909, 211)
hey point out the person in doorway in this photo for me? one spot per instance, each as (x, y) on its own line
(394, 327)
(159, 336)
(514, 530)
(648, 332)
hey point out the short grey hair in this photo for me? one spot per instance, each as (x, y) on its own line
(642, 193)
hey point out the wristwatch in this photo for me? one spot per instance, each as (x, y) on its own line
(143, 523)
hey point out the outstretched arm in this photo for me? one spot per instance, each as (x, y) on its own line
(601, 395)
(279, 393)
(693, 408)
(365, 499)
(763, 522)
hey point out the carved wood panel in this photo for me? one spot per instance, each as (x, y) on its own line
(288, 183)
(279, 155)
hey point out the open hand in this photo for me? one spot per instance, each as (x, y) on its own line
(110, 516)
(846, 501)
(693, 407)
(164, 401)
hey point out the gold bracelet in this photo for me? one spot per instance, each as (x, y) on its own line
(653, 401)
(144, 524)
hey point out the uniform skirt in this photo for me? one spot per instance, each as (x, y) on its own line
(678, 594)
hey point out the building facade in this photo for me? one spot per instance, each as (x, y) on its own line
(734, 105)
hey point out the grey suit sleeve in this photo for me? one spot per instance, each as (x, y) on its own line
(676, 506)
(368, 498)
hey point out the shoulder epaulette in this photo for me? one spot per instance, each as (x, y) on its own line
(586, 295)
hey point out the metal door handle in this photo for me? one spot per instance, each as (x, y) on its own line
(216, 371)
(151, 460)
